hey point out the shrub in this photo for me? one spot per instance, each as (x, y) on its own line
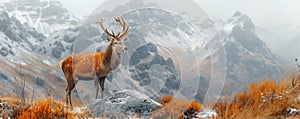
(176, 108)
(193, 108)
(46, 109)
(166, 99)
(267, 99)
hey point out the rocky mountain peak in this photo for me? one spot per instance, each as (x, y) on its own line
(240, 21)
(246, 51)
(46, 16)
(13, 33)
(240, 30)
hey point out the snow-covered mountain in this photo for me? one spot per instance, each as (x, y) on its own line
(46, 16)
(19, 38)
(59, 44)
(83, 39)
(248, 58)
(14, 35)
(18, 62)
(168, 51)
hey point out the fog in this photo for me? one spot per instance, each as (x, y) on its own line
(277, 21)
(81, 8)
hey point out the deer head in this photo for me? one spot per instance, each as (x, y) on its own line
(117, 41)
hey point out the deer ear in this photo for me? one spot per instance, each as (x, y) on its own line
(109, 38)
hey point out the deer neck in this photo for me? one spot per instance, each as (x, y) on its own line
(106, 61)
(115, 59)
(111, 59)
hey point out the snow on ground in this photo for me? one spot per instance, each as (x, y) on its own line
(292, 111)
(206, 114)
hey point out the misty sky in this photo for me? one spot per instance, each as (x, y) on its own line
(81, 7)
(261, 11)
(279, 18)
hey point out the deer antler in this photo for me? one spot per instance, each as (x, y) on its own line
(125, 29)
(105, 29)
(119, 35)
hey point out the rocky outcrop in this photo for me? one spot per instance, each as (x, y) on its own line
(125, 102)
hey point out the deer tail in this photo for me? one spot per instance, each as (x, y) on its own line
(61, 64)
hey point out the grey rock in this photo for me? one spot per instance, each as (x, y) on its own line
(40, 82)
(4, 51)
(126, 102)
(3, 76)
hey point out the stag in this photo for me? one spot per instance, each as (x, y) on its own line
(95, 66)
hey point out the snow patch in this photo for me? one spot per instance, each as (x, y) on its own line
(206, 114)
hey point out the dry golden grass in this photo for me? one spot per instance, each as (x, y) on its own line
(13, 108)
(174, 108)
(45, 109)
(166, 99)
(267, 99)
(9, 100)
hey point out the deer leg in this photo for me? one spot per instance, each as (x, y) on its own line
(102, 80)
(67, 96)
(69, 83)
(69, 93)
(70, 87)
(96, 86)
(73, 82)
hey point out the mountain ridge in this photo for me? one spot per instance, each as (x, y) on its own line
(247, 56)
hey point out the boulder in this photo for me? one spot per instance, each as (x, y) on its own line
(124, 102)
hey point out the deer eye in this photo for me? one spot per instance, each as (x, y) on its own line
(116, 43)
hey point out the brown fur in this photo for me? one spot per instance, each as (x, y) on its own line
(84, 65)
(95, 66)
